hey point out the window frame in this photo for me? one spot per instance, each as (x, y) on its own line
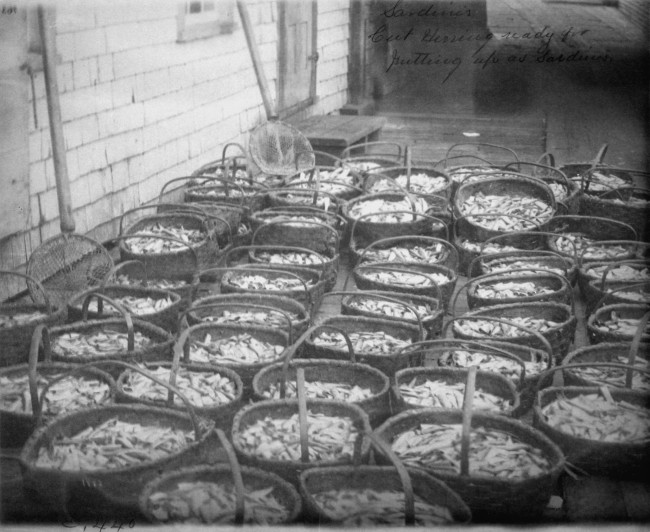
(203, 25)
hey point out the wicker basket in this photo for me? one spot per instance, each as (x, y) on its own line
(287, 197)
(165, 264)
(589, 182)
(159, 348)
(432, 322)
(621, 460)
(486, 381)
(167, 318)
(309, 294)
(513, 185)
(395, 172)
(397, 478)
(624, 311)
(554, 177)
(448, 255)
(196, 314)
(341, 191)
(252, 197)
(602, 230)
(387, 364)
(232, 214)
(546, 259)
(440, 291)
(369, 231)
(561, 290)
(489, 498)
(615, 352)
(593, 285)
(321, 237)
(352, 373)
(17, 427)
(222, 475)
(292, 232)
(15, 338)
(284, 409)
(382, 154)
(110, 493)
(136, 274)
(620, 205)
(222, 413)
(531, 363)
(558, 337)
(245, 370)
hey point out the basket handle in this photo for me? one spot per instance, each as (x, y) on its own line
(479, 278)
(487, 165)
(205, 179)
(608, 293)
(617, 191)
(235, 469)
(244, 305)
(523, 253)
(125, 314)
(427, 216)
(383, 267)
(374, 294)
(548, 157)
(450, 248)
(38, 337)
(30, 279)
(442, 344)
(613, 265)
(628, 382)
(468, 403)
(302, 415)
(559, 173)
(228, 184)
(476, 144)
(599, 243)
(341, 222)
(115, 269)
(281, 249)
(545, 343)
(234, 145)
(347, 151)
(337, 238)
(405, 479)
(319, 182)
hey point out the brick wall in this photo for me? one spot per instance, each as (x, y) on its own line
(139, 108)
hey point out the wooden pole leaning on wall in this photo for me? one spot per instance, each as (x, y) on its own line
(47, 23)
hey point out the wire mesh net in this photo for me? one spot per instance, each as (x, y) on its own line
(280, 149)
(65, 265)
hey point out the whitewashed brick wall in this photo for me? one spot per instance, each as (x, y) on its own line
(140, 109)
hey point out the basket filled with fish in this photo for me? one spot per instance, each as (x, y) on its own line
(337, 380)
(287, 197)
(418, 180)
(122, 338)
(21, 393)
(154, 305)
(618, 323)
(601, 179)
(548, 326)
(161, 242)
(390, 305)
(385, 214)
(291, 223)
(415, 248)
(102, 457)
(376, 342)
(589, 239)
(630, 205)
(612, 352)
(601, 430)
(243, 348)
(524, 260)
(285, 438)
(503, 469)
(431, 387)
(429, 280)
(517, 286)
(278, 312)
(595, 279)
(369, 157)
(370, 496)
(18, 320)
(133, 273)
(300, 284)
(514, 203)
(567, 193)
(339, 182)
(251, 196)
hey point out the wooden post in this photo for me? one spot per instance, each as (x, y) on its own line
(356, 62)
(47, 23)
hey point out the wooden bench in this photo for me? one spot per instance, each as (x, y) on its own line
(332, 134)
